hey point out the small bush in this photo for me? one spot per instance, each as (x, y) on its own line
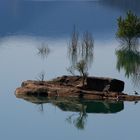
(82, 68)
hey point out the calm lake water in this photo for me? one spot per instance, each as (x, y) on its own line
(25, 26)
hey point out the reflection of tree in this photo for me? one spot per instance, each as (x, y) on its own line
(87, 48)
(73, 47)
(129, 57)
(41, 108)
(81, 108)
(133, 46)
(80, 121)
(80, 49)
(43, 51)
(129, 61)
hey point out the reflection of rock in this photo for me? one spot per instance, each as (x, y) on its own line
(79, 106)
(91, 106)
(99, 84)
(76, 105)
(66, 86)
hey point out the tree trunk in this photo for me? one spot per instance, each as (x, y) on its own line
(129, 43)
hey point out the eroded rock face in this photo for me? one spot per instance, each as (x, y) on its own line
(102, 84)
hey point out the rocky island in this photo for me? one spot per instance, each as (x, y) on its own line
(96, 88)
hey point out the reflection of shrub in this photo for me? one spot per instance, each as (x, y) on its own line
(80, 52)
(129, 29)
(129, 61)
(80, 120)
(87, 48)
(73, 46)
(43, 51)
(81, 47)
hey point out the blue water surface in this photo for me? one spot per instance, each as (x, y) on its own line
(26, 25)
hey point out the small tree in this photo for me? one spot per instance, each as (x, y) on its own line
(41, 77)
(129, 28)
(80, 52)
(82, 68)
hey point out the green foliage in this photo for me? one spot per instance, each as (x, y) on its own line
(128, 28)
(129, 61)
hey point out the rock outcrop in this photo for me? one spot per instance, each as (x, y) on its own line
(71, 86)
(101, 84)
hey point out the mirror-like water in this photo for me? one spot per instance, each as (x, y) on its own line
(26, 27)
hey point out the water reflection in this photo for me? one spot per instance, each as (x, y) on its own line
(87, 48)
(79, 120)
(79, 108)
(129, 61)
(80, 49)
(73, 47)
(133, 45)
(43, 51)
(128, 57)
